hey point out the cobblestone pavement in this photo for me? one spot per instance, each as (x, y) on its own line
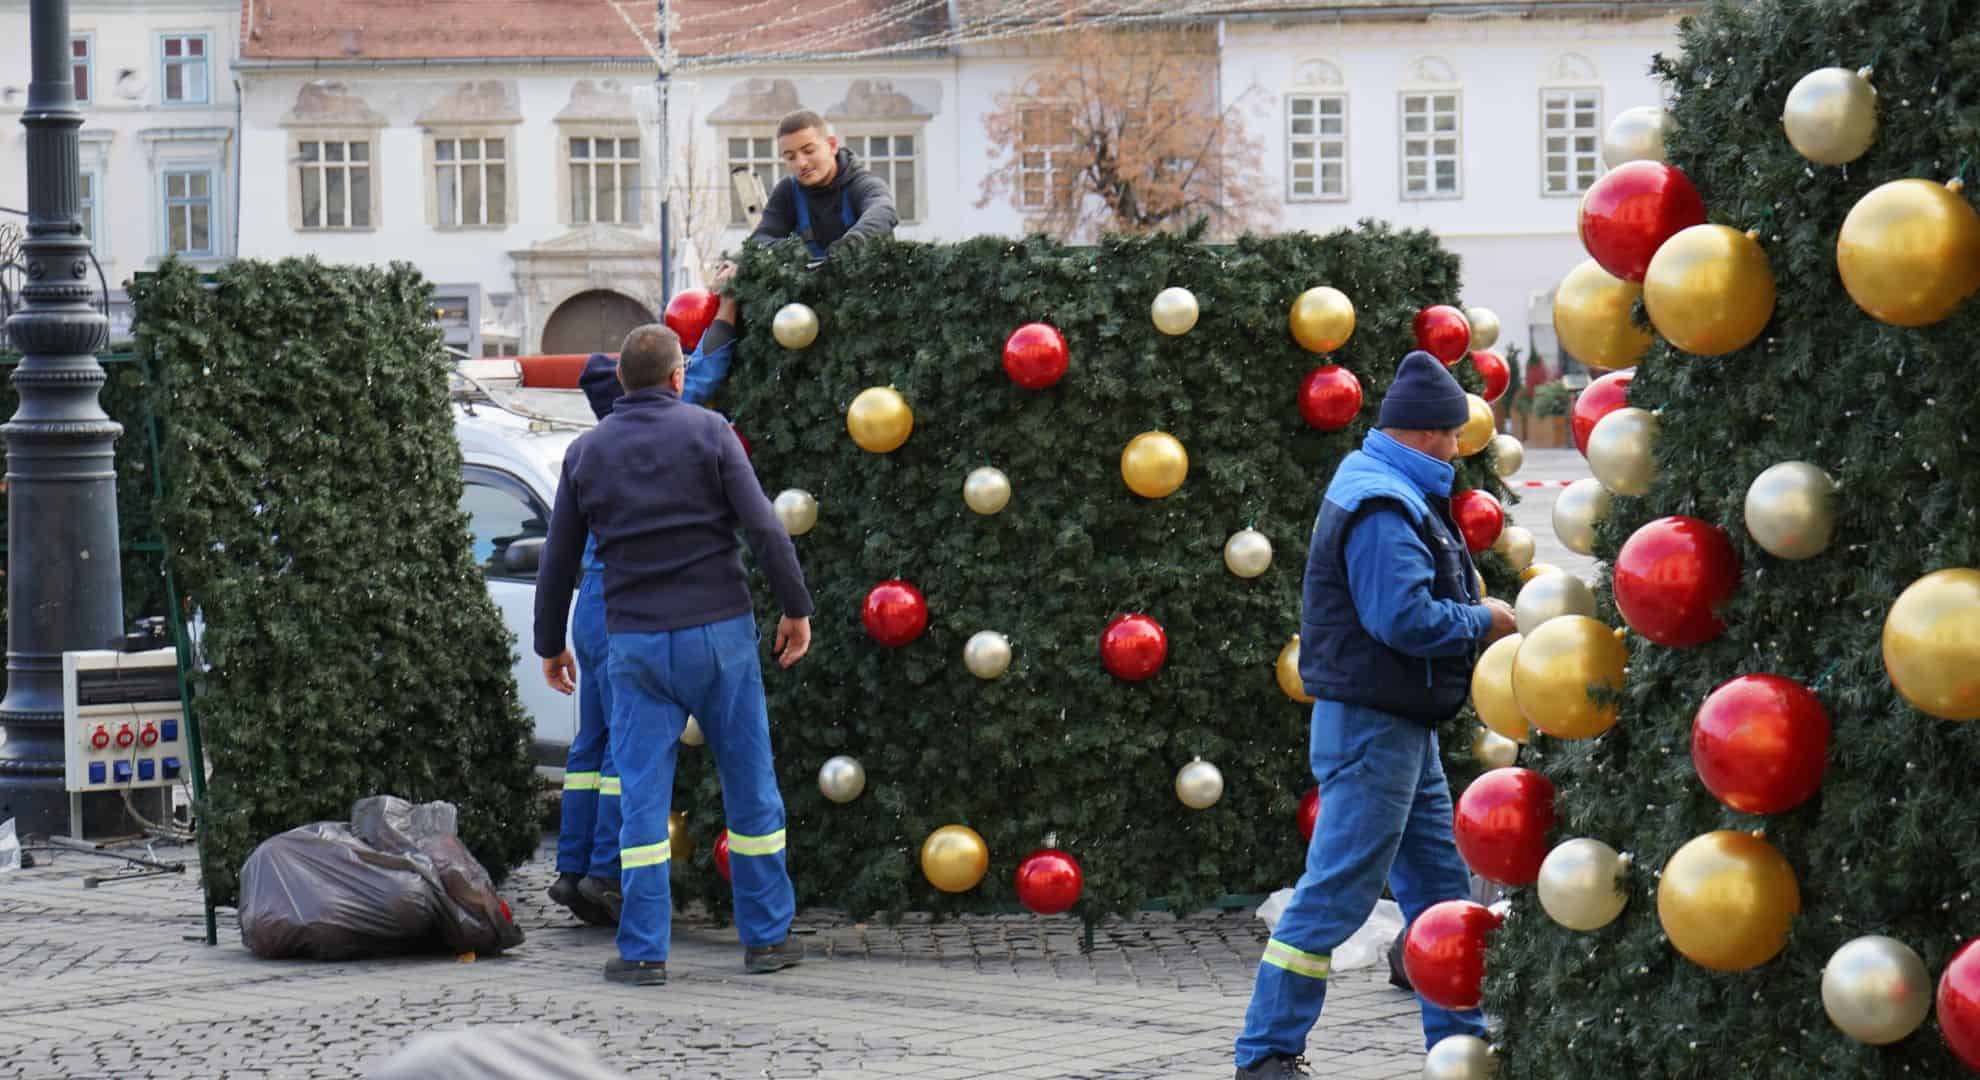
(115, 982)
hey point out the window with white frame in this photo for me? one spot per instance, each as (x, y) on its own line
(91, 223)
(604, 181)
(470, 181)
(81, 67)
(188, 212)
(1571, 139)
(335, 182)
(756, 154)
(184, 76)
(1316, 147)
(1430, 145)
(1044, 159)
(892, 158)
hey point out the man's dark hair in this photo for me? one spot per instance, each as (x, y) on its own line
(649, 358)
(798, 121)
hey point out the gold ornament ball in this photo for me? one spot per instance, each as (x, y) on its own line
(1831, 115)
(1484, 327)
(841, 779)
(1154, 464)
(1876, 990)
(1619, 451)
(987, 490)
(1508, 455)
(1515, 545)
(1479, 577)
(1579, 886)
(879, 419)
(1709, 290)
(1790, 510)
(1636, 134)
(954, 858)
(987, 654)
(1174, 311)
(680, 842)
(1493, 750)
(1577, 510)
(1932, 644)
(1536, 569)
(1592, 318)
(795, 326)
(1286, 670)
(1322, 319)
(1551, 596)
(1476, 434)
(1909, 252)
(1492, 690)
(691, 734)
(1247, 553)
(1726, 900)
(1460, 1057)
(1556, 666)
(1199, 785)
(797, 510)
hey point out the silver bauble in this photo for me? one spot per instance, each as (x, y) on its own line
(1484, 327)
(1199, 785)
(841, 779)
(1174, 310)
(1577, 510)
(1578, 884)
(1515, 544)
(797, 510)
(795, 326)
(1247, 553)
(691, 734)
(1619, 451)
(1459, 1057)
(1508, 454)
(1876, 990)
(1549, 596)
(1831, 115)
(1790, 510)
(987, 490)
(1636, 135)
(1493, 750)
(987, 654)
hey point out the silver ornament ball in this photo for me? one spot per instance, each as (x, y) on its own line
(1493, 750)
(1247, 553)
(1484, 327)
(1508, 454)
(691, 734)
(1199, 785)
(987, 654)
(1549, 596)
(1636, 135)
(1460, 1057)
(1876, 990)
(1174, 311)
(987, 490)
(1577, 510)
(796, 509)
(795, 326)
(1516, 545)
(841, 779)
(1619, 451)
(1831, 115)
(1790, 510)
(1578, 884)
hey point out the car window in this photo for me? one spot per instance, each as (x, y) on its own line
(500, 512)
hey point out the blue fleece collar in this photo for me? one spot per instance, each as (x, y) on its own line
(1432, 477)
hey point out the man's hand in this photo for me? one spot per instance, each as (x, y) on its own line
(560, 671)
(724, 274)
(1502, 619)
(793, 640)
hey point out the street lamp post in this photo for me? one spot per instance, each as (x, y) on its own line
(64, 584)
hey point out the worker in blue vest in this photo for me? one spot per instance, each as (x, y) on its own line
(828, 199)
(1391, 622)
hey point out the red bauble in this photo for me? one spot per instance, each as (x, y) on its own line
(1958, 1005)
(895, 613)
(1443, 332)
(1501, 825)
(1479, 517)
(1035, 356)
(1495, 371)
(748, 450)
(722, 855)
(1134, 647)
(1602, 397)
(1048, 881)
(1632, 210)
(1760, 743)
(689, 315)
(1669, 578)
(1330, 398)
(1444, 952)
(1309, 813)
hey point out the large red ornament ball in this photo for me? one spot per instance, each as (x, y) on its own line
(1330, 398)
(1134, 647)
(1048, 881)
(895, 613)
(1479, 517)
(1444, 952)
(1501, 825)
(1495, 371)
(1309, 814)
(689, 315)
(1602, 397)
(1760, 743)
(1441, 331)
(1670, 577)
(1958, 1004)
(1629, 213)
(722, 855)
(1035, 356)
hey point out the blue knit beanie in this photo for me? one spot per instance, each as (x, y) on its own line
(600, 383)
(1424, 397)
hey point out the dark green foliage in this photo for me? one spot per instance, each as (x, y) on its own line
(314, 518)
(1887, 846)
(1056, 745)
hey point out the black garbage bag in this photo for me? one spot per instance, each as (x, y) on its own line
(473, 916)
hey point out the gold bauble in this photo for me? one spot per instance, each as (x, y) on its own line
(1636, 135)
(1556, 666)
(796, 509)
(1492, 750)
(1579, 886)
(1591, 318)
(1476, 434)
(1460, 1057)
(841, 779)
(1154, 464)
(1286, 669)
(1831, 115)
(1322, 319)
(987, 654)
(1619, 451)
(691, 733)
(680, 842)
(1726, 900)
(1199, 784)
(1479, 577)
(795, 326)
(1790, 510)
(879, 419)
(1709, 290)
(987, 490)
(954, 858)
(1577, 510)
(1484, 327)
(1876, 990)
(1247, 553)
(1508, 455)
(1492, 690)
(1536, 569)
(1932, 644)
(1174, 311)
(1551, 596)
(1909, 252)
(1515, 545)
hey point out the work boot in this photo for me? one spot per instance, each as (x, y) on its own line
(636, 972)
(604, 895)
(762, 961)
(565, 889)
(1277, 1065)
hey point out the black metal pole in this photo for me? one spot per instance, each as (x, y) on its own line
(666, 165)
(65, 587)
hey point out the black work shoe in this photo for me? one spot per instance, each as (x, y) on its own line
(604, 895)
(636, 972)
(565, 889)
(1275, 1066)
(786, 953)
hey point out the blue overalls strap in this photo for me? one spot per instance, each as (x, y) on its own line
(804, 218)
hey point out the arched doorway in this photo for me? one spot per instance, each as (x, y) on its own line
(594, 321)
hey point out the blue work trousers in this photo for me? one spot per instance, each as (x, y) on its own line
(1385, 813)
(658, 679)
(588, 830)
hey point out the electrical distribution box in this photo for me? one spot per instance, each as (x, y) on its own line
(122, 721)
